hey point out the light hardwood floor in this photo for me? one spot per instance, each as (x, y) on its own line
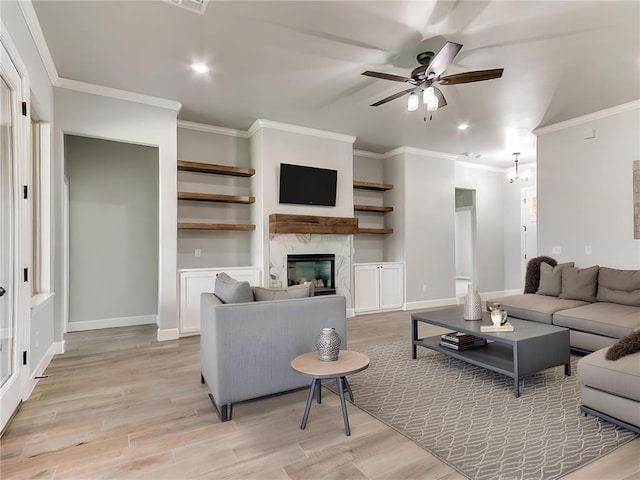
(120, 405)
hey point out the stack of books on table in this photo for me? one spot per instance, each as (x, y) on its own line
(461, 341)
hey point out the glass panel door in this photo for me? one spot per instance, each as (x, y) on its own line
(7, 330)
(11, 372)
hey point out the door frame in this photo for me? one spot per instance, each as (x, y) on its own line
(523, 232)
(16, 388)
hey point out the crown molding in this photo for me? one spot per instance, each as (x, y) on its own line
(625, 107)
(35, 30)
(285, 127)
(201, 127)
(365, 154)
(486, 168)
(419, 151)
(84, 87)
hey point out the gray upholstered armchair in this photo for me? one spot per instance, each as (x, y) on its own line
(246, 348)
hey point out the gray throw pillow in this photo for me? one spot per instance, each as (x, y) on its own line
(262, 294)
(619, 286)
(551, 279)
(230, 290)
(580, 283)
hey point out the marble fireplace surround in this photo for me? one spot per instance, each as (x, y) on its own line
(281, 245)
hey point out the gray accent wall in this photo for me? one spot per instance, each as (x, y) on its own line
(218, 248)
(113, 229)
(369, 247)
(585, 196)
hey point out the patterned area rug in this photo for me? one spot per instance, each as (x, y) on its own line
(469, 418)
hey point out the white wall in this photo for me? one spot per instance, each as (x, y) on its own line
(108, 118)
(218, 248)
(513, 274)
(585, 189)
(113, 223)
(273, 144)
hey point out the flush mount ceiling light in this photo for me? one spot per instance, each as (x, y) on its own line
(513, 176)
(463, 126)
(200, 68)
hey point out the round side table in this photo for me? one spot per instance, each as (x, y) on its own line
(348, 362)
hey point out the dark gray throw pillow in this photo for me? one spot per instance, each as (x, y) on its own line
(580, 283)
(230, 290)
(625, 346)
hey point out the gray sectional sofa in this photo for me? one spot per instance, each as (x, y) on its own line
(599, 306)
(246, 346)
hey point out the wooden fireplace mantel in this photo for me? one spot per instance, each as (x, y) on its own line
(284, 223)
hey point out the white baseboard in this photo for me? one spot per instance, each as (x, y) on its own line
(351, 312)
(501, 293)
(168, 334)
(440, 302)
(41, 367)
(58, 347)
(111, 323)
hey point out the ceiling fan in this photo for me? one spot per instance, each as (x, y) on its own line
(428, 73)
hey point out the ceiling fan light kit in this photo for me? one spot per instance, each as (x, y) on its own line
(413, 102)
(428, 73)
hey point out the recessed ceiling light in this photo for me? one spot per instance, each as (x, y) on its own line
(463, 126)
(200, 68)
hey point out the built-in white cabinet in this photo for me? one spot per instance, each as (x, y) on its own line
(378, 286)
(194, 281)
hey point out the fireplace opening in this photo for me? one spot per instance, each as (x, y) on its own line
(318, 269)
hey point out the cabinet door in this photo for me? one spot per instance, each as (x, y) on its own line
(367, 286)
(191, 286)
(391, 283)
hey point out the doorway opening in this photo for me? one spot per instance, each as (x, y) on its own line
(465, 239)
(529, 231)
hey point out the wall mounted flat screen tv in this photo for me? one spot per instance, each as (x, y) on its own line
(302, 185)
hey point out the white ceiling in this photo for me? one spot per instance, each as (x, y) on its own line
(300, 63)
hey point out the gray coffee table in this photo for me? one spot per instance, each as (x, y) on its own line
(530, 348)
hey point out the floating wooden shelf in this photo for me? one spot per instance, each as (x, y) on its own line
(243, 227)
(381, 187)
(376, 231)
(372, 208)
(283, 223)
(217, 169)
(214, 197)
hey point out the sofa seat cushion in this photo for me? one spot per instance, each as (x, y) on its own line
(602, 318)
(531, 306)
(620, 377)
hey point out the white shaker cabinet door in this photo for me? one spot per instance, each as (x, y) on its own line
(367, 287)
(391, 281)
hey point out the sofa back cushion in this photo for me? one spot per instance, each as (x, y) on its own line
(580, 283)
(262, 294)
(619, 286)
(230, 290)
(551, 279)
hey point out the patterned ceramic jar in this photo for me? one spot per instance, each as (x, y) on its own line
(472, 305)
(328, 345)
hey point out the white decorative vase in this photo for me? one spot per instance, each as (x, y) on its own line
(472, 305)
(328, 345)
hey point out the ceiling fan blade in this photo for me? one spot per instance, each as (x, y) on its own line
(468, 77)
(442, 60)
(386, 76)
(392, 97)
(439, 95)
